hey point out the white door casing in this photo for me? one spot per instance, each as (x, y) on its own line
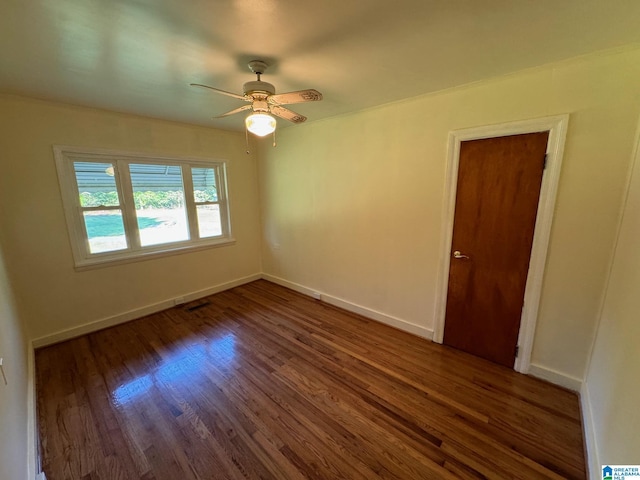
(557, 127)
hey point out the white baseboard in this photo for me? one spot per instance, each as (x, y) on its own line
(555, 377)
(352, 307)
(73, 332)
(290, 285)
(580, 387)
(593, 455)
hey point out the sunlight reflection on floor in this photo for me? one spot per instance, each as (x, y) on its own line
(180, 366)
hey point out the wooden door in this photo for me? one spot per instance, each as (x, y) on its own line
(496, 205)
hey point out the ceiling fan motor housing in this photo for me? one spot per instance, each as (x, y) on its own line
(258, 86)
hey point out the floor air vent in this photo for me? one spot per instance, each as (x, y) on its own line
(196, 305)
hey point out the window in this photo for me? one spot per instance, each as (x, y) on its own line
(123, 206)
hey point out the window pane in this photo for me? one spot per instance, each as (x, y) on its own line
(204, 185)
(105, 230)
(209, 224)
(96, 184)
(158, 193)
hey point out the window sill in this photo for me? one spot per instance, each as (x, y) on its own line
(120, 259)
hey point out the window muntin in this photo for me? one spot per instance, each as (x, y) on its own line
(124, 206)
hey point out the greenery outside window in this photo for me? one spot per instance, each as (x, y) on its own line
(125, 206)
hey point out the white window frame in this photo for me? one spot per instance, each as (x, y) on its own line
(65, 156)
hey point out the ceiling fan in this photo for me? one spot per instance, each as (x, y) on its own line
(264, 102)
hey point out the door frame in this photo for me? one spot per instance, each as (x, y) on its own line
(557, 128)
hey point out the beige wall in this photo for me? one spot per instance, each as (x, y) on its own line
(352, 205)
(51, 295)
(14, 418)
(612, 384)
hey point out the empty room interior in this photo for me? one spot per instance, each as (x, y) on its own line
(317, 240)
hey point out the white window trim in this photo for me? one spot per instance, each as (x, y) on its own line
(64, 158)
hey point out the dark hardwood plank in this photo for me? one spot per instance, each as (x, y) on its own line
(262, 382)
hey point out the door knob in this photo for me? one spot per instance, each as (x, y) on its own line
(458, 254)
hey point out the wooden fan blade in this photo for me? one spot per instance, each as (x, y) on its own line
(236, 110)
(223, 92)
(287, 114)
(300, 96)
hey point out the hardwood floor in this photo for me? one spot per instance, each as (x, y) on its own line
(261, 382)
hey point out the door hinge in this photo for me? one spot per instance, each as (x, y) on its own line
(517, 350)
(544, 162)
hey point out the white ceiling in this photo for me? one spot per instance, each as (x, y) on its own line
(139, 56)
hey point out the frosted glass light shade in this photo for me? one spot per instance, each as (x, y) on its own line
(260, 124)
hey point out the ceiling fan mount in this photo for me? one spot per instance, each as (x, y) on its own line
(258, 67)
(263, 98)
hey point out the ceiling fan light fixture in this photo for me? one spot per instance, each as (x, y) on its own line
(260, 124)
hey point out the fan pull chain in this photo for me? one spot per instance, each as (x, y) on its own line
(246, 137)
(274, 138)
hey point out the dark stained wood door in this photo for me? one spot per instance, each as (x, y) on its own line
(496, 205)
